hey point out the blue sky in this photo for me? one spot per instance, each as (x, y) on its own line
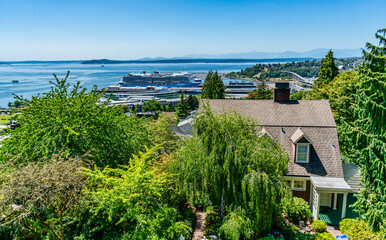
(125, 29)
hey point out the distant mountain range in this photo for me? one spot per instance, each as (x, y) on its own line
(314, 53)
(252, 56)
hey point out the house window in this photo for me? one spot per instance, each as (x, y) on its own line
(299, 185)
(302, 152)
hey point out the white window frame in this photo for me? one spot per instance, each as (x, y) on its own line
(299, 189)
(308, 152)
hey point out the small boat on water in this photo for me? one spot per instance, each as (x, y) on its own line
(15, 81)
(102, 65)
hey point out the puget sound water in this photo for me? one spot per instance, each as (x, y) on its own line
(33, 78)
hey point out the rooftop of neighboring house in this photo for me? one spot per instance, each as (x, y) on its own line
(305, 123)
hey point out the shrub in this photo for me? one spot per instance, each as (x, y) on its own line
(358, 229)
(289, 231)
(212, 221)
(237, 225)
(324, 236)
(296, 209)
(319, 226)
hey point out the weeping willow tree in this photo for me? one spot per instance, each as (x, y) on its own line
(367, 132)
(231, 164)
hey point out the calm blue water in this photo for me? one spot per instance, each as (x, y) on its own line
(34, 78)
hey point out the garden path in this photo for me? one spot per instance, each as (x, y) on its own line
(198, 233)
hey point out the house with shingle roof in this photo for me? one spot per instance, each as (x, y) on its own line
(306, 129)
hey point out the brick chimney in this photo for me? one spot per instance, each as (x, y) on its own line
(281, 92)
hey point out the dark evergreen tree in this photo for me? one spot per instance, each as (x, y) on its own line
(193, 102)
(170, 107)
(182, 108)
(213, 87)
(367, 133)
(327, 71)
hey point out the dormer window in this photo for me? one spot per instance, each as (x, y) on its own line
(302, 152)
(302, 146)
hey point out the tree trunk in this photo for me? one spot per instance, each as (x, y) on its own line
(222, 207)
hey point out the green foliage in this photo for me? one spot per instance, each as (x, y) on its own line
(357, 229)
(341, 93)
(324, 236)
(192, 102)
(70, 121)
(182, 108)
(366, 133)
(328, 70)
(170, 107)
(319, 226)
(296, 209)
(212, 221)
(213, 87)
(38, 200)
(152, 106)
(262, 92)
(237, 225)
(186, 105)
(162, 134)
(289, 231)
(300, 95)
(134, 200)
(278, 70)
(226, 163)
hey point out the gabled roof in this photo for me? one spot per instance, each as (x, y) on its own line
(300, 113)
(299, 134)
(282, 120)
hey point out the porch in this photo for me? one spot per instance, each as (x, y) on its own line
(333, 217)
(330, 199)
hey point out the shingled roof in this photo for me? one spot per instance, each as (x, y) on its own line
(282, 119)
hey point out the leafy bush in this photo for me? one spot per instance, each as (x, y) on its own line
(237, 225)
(134, 200)
(358, 229)
(319, 226)
(296, 209)
(324, 236)
(212, 221)
(289, 231)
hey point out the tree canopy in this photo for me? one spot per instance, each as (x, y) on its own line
(367, 135)
(229, 163)
(70, 120)
(213, 87)
(327, 71)
(152, 106)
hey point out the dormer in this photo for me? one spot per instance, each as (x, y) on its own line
(302, 146)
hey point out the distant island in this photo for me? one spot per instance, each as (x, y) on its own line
(199, 60)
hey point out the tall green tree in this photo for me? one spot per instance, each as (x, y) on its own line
(213, 87)
(327, 71)
(227, 163)
(182, 108)
(367, 132)
(193, 102)
(71, 121)
(152, 106)
(262, 92)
